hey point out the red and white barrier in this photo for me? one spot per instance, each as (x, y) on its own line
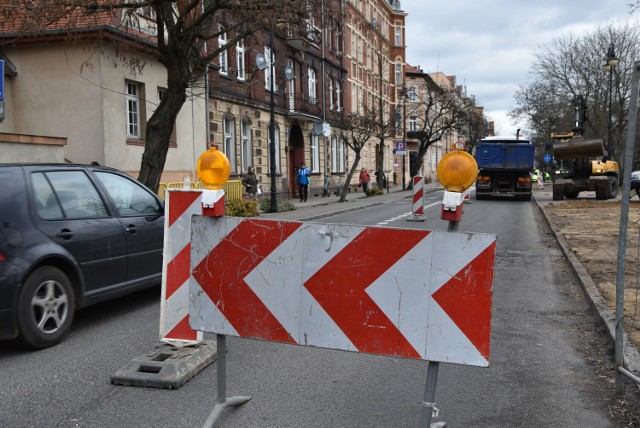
(180, 205)
(430, 298)
(418, 199)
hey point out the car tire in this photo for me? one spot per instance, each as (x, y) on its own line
(45, 308)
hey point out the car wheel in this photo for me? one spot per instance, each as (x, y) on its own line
(46, 308)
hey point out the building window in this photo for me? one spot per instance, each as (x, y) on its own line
(338, 97)
(398, 74)
(212, 124)
(398, 35)
(245, 145)
(334, 153)
(313, 83)
(277, 147)
(132, 99)
(292, 85)
(341, 155)
(240, 59)
(413, 93)
(268, 70)
(413, 123)
(315, 153)
(331, 106)
(228, 133)
(337, 154)
(354, 98)
(223, 59)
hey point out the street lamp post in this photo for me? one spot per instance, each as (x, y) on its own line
(403, 93)
(612, 61)
(272, 129)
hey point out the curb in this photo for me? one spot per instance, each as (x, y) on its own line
(631, 353)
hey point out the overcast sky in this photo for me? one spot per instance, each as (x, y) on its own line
(489, 44)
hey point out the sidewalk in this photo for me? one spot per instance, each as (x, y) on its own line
(318, 207)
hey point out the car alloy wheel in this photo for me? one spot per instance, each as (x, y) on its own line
(46, 307)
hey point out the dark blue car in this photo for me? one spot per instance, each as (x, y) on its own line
(71, 236)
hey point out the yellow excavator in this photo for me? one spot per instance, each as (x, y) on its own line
(582, 164)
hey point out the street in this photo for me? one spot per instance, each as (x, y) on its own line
(549, 366)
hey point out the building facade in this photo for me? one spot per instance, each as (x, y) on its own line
(85, 93)
(375, 58)
(300, 82)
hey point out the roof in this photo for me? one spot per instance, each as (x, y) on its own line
(22, 24)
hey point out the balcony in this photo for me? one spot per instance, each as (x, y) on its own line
(303, 107)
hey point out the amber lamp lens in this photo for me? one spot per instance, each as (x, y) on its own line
(213, 169)
(457, 171)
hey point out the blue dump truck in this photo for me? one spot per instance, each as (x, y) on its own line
(504, 167)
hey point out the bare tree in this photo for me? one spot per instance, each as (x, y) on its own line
(185, 30)
(438, 111)
(473, 121)
(545, 108)
(358, 130)
(573, 66)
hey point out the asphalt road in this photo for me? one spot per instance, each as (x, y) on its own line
(547, 357)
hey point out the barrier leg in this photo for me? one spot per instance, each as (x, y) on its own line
(223, 403)
(430, 397)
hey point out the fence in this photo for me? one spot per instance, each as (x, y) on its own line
(232, 188)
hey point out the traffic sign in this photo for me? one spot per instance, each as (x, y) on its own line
(340, 287)
(547, 158)
(401, 148)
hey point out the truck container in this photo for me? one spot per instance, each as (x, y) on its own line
(504, 167)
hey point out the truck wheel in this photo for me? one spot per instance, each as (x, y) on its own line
(45, 308)
(613, 181)
(603, 193)
(558, 195)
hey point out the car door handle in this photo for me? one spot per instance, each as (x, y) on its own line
(132, 229)
(65, 234)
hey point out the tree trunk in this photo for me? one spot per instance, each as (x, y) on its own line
(160, 126)
(354, 168)
(380, 165)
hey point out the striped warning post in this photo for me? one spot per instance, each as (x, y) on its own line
(418, 199)
(180, 206)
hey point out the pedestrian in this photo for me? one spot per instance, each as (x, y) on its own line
(365, 178)
(395, 178)
(250, 183)
(302, 179)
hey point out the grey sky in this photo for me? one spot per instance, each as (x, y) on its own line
(489, 45)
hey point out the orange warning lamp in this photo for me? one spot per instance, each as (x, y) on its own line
(213, 168)
(457, 171)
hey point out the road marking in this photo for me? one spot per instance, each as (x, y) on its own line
(401, 216)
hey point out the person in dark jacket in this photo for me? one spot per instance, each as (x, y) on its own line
(250, 183)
